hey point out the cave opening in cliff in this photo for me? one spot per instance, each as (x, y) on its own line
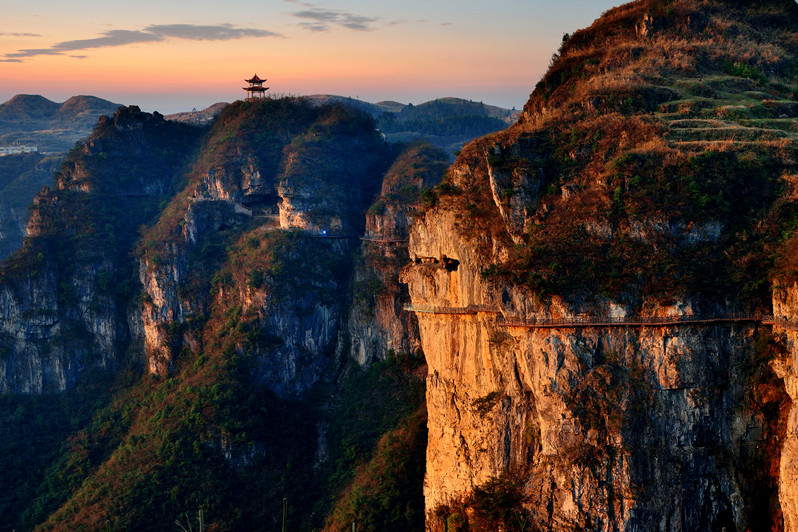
(256, 199)
(450, 264)
(262, 203)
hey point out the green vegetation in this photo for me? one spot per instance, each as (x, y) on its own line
(38, 431)
(212, 434)
(141, 454)
(675, 171)
(495, 505)
(386, 493)
(376, 466)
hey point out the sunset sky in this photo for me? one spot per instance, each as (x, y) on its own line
(175, 55)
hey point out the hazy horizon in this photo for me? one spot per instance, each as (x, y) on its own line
(177, 55)
(205, 101)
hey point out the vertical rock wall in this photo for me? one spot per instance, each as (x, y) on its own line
(266, 231)
(609, 428)
(785, 305)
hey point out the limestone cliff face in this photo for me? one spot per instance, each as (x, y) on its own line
(600, 203)
(57, 324)
(785, 305)
(24, 368)
(66, 295)
(378, 322)
(266, 229)
(304, 332)
(161, 307)
(610, 429)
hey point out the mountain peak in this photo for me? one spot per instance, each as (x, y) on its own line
(637, 56)
(27, 106)
(35, 120)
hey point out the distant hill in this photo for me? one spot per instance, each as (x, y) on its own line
(448, 123)
(438, 108)
(371, 108)
(446, 107)
(27, 109)
(52, 127)
(391, 106)
(198, 117)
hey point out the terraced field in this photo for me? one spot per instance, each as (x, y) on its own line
(715, 110)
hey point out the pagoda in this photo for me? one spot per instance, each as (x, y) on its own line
(256, 88)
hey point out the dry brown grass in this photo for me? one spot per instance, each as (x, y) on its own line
(611, 111)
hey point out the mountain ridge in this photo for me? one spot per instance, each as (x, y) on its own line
(270, 330)
(52, 127)
(651, 174)
(446, 122)
(207, 258)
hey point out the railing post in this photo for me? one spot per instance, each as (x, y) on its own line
(285, 511)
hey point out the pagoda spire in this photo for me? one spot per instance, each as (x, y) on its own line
(256, 89)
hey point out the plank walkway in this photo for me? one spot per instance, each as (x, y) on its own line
(631, 321)
(384, 240)
(471, 309)
(578, 322)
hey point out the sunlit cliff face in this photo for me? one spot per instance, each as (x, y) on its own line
(631, 186)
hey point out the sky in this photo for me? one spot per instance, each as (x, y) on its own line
(177, 55)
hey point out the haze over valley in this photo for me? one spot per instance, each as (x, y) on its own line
(576, 311)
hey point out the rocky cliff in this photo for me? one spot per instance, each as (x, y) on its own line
(378, 322)
(629, 194)
(21, 177)
(604, 295)
(199, 281)
(601, 429)
(67, 293)
(286, 202)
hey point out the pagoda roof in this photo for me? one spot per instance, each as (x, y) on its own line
(256, 89)
(255, 79)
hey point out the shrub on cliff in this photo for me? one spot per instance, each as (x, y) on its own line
(646, 177)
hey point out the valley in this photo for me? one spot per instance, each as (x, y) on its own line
(586, 321)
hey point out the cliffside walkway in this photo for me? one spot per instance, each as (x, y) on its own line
(633, 321)
(471, 309)
(384, 240)
(335, 237)
(578, 322)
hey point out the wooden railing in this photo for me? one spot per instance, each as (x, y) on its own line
(632, 321)
(605, 321)
(470, 309)
(333, 236)
(389, 240)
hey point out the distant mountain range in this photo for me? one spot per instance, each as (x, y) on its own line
(440, 107)
(449, 106)
(448, 123)
(198, 117)
(54, 128)
(35, 120)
